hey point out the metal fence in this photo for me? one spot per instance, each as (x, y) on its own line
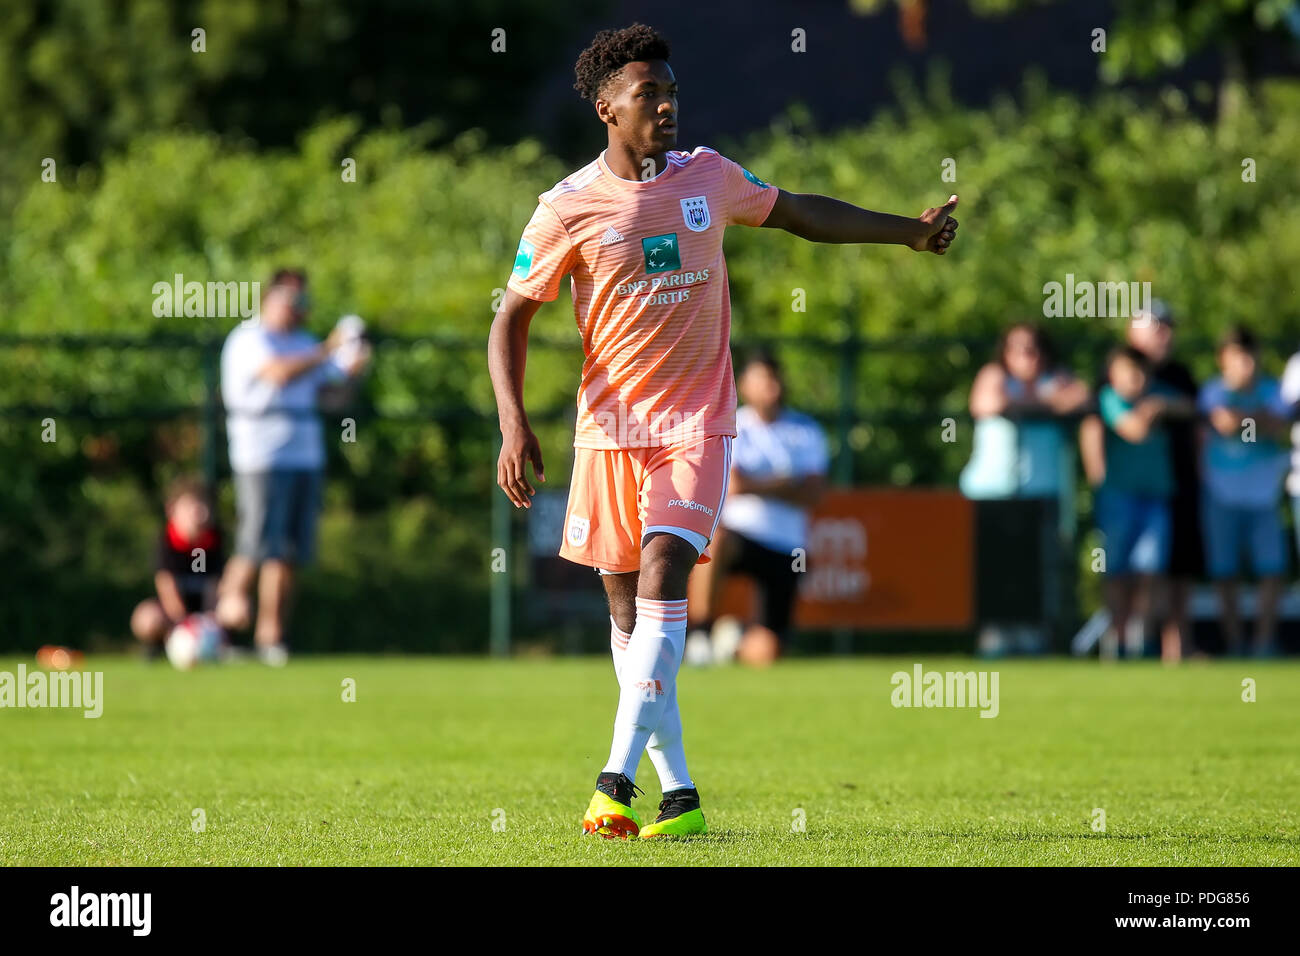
(841, 366)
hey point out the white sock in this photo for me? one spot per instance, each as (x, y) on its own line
(618, 639)
(648, 680)
(666, 750)
(665, 745)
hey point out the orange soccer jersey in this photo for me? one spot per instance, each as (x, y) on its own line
(649, 291)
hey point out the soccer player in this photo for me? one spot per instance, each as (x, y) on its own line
(639, 232)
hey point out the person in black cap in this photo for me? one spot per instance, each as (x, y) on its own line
(1151, 332)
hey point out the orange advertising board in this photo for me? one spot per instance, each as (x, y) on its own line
(886, 559)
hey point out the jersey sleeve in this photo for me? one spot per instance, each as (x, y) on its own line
(243, 356)
(749, 199)
(1291, 380)
(745, 457)
(1274, 400)
(1211, 397)
(1110, 406)
(545, 256)
(819, 460)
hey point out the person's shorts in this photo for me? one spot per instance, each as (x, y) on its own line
(1232, 532)
(775, 575)
(1137, 531)
(619, 496)
(277, 512)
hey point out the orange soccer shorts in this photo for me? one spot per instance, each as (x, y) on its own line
(620, 495)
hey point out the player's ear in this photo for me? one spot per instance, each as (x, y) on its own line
(606, 112)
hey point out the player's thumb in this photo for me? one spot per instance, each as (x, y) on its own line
(951, 205)
(537, 465)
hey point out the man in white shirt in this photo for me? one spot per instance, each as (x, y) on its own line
(779, 461)
(272, 371)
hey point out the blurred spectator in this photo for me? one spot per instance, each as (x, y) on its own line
(1291, 395)
(187, 565)
(1132, 505)
(1152, 333)
(1016, 402)
(272, 371)
(778, 472)
(1245, 463)
(1019, 402)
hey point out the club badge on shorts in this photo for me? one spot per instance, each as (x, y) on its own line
(695, 211)
(578, 530)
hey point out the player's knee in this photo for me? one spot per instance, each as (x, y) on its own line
(666, 563)
(148, 622)
(233, 611)
(624, 616)
(760, 647)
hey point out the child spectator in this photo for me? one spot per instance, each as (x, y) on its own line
(1244, 465)
(187, 565)
(1132, 505)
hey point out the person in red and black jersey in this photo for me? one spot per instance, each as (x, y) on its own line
(188, 562)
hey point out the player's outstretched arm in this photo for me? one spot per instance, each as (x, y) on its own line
(507, 356)
(823, 219)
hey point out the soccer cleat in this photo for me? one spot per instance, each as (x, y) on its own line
(679, 815)
(610, 812)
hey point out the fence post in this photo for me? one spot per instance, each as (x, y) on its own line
(499, 591)
(842, 638)
(210, 351)
(848, 350)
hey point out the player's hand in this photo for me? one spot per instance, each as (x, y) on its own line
(334, 340)
(359, 363)
(1154, 406)
(519, 446)
(940, 229)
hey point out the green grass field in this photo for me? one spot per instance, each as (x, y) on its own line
(434, 750)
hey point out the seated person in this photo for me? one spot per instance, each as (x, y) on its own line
(187, 565)
(778, 472)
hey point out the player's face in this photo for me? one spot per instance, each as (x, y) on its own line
(190, 514)
(760, 388)
(1022, 358)
(1238, 366)
(1154, 339)
(283, 307)
(1127, 378)
(642, 106)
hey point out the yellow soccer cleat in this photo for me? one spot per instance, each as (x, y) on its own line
(610, 812)
(679, 815)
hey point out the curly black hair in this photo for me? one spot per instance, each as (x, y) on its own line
(612, 50)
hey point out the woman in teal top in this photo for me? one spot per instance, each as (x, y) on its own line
(1019, 449)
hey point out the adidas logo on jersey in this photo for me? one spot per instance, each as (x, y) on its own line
(610, 237)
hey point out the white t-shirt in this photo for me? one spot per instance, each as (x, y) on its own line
(272, 426)
(1291, 394)
(793, 446)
